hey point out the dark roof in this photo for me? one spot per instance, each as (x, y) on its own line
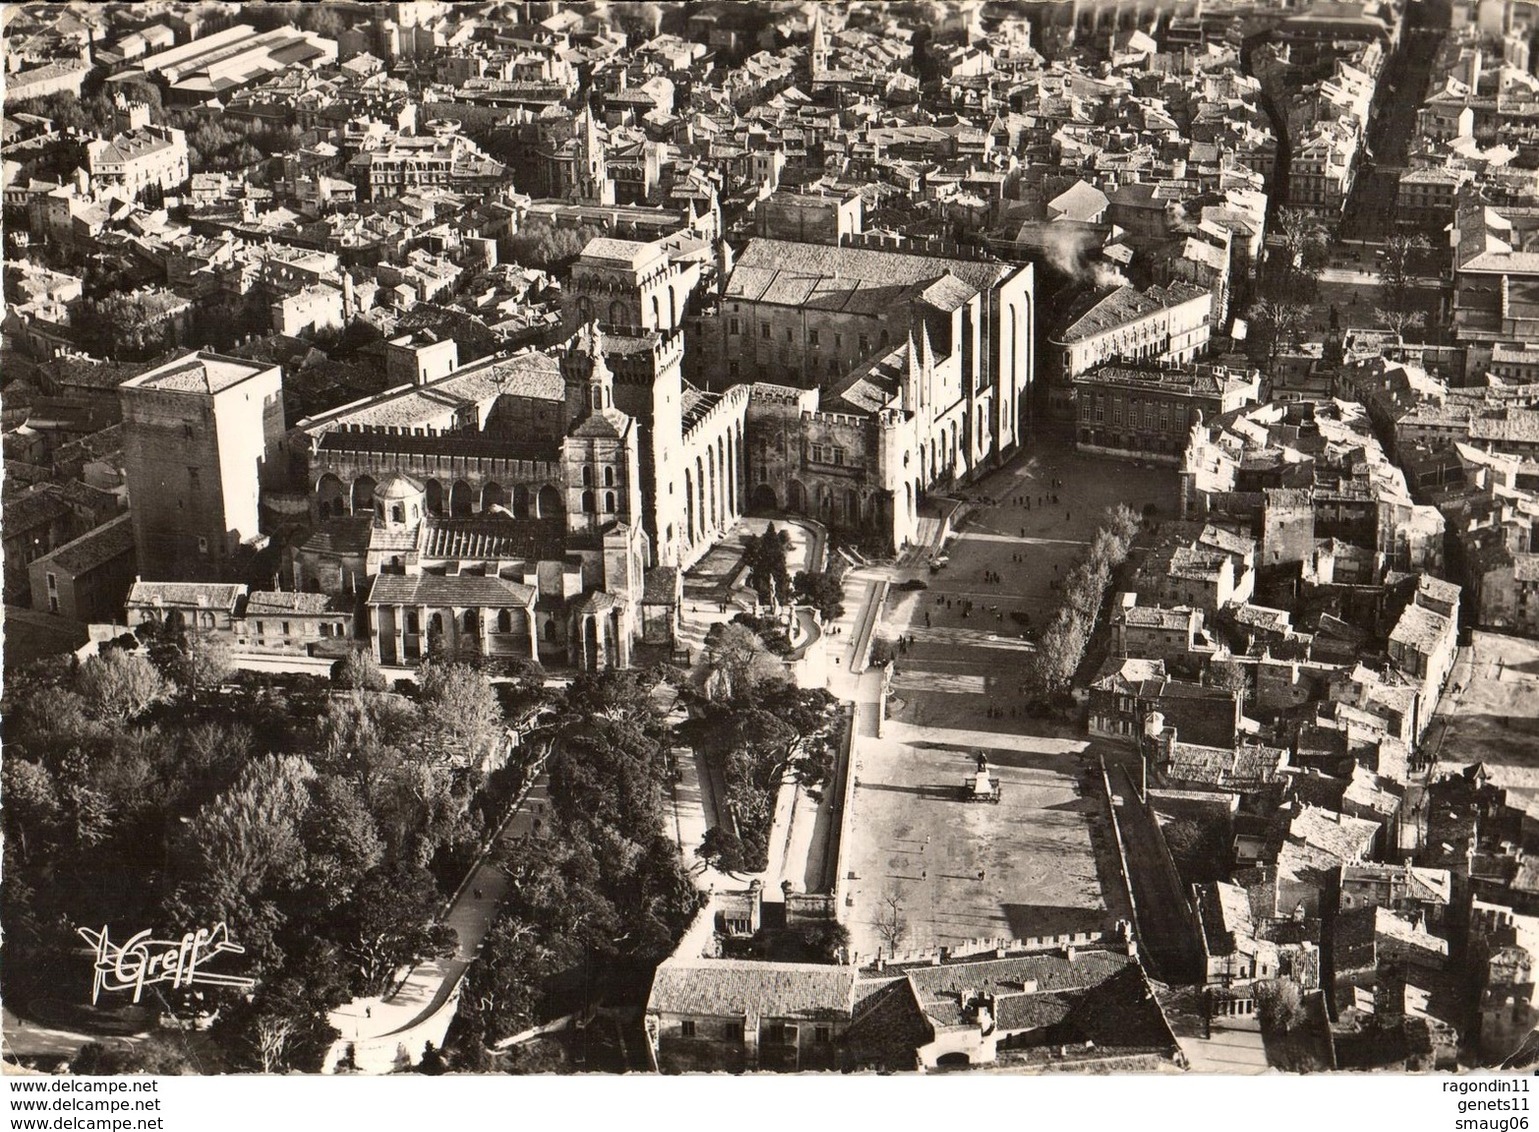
(1050, 971)
(495, 538)
(1031, 1011)
(436, 444)
(821, 275)
(277, 603)
(35, 508)
(346, 534)
(199, 595)
(106, 542)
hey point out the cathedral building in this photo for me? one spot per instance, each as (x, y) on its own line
(494, 513)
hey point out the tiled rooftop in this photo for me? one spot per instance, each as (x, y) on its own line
(201, 372)
(738, 987)
(459, 590)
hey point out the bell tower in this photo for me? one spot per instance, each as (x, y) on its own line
(601, 455)
(590, 168)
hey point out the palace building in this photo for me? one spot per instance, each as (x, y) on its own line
(543, 504)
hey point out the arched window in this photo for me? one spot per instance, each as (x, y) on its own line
(609, 502)
(398, 513)
(609, 476)
(504, 621)
(587, 502)
(587, 476)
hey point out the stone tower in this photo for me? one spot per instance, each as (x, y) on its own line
(600, 456)
(591, 182)
(817, 53)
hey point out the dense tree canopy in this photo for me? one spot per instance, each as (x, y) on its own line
(286, 810)
(603, 896)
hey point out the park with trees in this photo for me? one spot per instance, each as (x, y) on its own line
(601, 895)
(152, 788)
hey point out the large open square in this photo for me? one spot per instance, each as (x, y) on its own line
(1040, 862)
(1487, 715)
(961, 661)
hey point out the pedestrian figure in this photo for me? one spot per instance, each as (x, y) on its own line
(1023, 532)
(927, 619)
(368, 1012)
(924, 874)
(1067, 516)
(477, 893)
(980, 874)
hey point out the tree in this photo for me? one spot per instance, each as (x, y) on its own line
(119, 686)
(1231, 676)
(281, 1030)
(547, 247)
(722, 849)
(824, 591)
(245, 845)
(891, 923)
(1397, 322)
(504, 989)
(341, 838)
(1059, 650)
(736, 660)
(1282, 321)
(827, 940)
(1397, 268)
(359, 670)
(541, 1055)
(433, 1063)
(203, 661)
(392, 922)
(765, 556)
(458, 707)
(32, 805)
(1279, 1004)
(1305, 248)
(1124, 523)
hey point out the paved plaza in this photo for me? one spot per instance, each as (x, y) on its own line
(962, 662)
(1040, 862)
(1045, 851)
(1487, 715)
